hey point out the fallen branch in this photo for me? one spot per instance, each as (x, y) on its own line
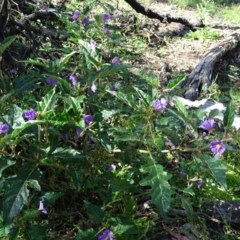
(200, 78)
(163, 18)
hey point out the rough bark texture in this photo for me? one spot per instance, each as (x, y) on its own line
(200, 78)
(163, 18)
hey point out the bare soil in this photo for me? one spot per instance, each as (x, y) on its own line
(169, 51)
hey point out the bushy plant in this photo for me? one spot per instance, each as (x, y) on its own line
(85, 142)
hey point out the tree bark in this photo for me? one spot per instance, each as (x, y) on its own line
(163, 18)
(200, 78)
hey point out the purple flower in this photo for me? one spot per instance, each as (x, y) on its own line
(106, 30)
(78, 132)
(116, 15)
(14, 70)
(11, 229)
(42, 208)
(51, 81)
(217, 147)
(106, 17)
(73, 79)
(113, 88)
(182, 174)
(159, 104)
(208, 124)
(85, 21)
(88, 120)
(92, 44)
(75, 15)
(200, 183)
(106, 235)
(30, 114)
(64, 136)
(3, 128)
(116, 61)
(112, 167)
(93, 87)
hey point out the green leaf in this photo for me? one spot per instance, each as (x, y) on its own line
(66, 153)
(187, 206)
(95, 213)
(30, 214)
(106, 114)
(175, 82)
(109, 71)
(36, 232)
(77, 178)
(16, 132)
(14, 117)
(48, 102)
(16, 192)
(180, 107)
(75, 104)
(6, 43)
(51, 197)
(217, 169)
(157, 179)
(4, 164)
(85, 235)
(189, 191)
(228, 116)
(64, 60)
(34, 184)
(159, 142)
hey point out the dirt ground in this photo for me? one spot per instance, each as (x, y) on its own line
(169, 50)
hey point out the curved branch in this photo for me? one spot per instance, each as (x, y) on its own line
(163, 18)
(200, 77)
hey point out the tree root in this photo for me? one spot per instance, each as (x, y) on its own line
(200, 78)
(163, 18)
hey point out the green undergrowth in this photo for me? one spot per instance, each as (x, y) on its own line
(88, 148)
(203, 34)
(222, 10)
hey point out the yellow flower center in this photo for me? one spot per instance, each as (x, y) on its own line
(218, 146)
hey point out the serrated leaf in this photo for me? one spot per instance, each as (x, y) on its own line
(16, 192)
(142, 95)
(4, 164)
(217, 169)
(48, 102)
(6, 43)
(228, 116)
(14, 117)
(65, 59)
(157, 179)
(180, 107)
(24, 126)
(75, 104)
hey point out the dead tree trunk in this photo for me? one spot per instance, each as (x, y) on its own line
(163, 18)
(200, 78)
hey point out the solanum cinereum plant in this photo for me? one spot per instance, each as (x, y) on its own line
(101, 138)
